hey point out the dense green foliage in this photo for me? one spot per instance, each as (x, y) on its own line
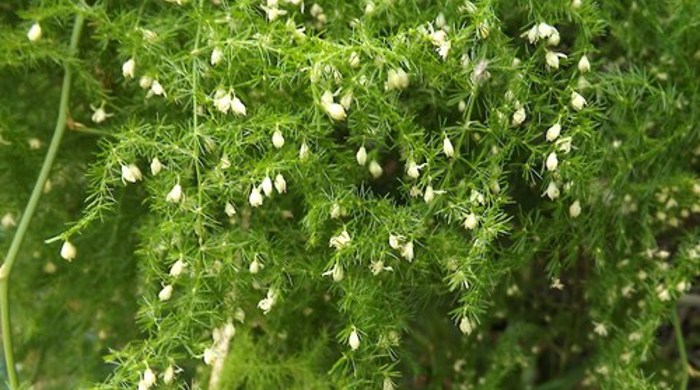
(495, 194)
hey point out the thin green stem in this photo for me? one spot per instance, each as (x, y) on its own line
(680, 344)
(17, 240)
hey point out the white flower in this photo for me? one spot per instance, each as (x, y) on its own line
(280, 183)
(131, 173)
(304, 152)
(238, 107)
(413, 169)
(216, 56)
(375, 169)
(556, 284)
(544, 30)
(210, 356)
(564, 144)
(166, 293)
(466, 326)
(336, 273)
(388, 384)
(273, 13)
(397, 79)
(576, 4)
(519, 116)
(575, 209)
(266, 304)
(407, 251)
(429, 194)
(346, 100)
(148, 377)
(396, 241)
(377, 266)
(267, 186)
(354, 340)
(156, 89)
(222, 100)
(335, 111)
(175, 194)
(444, 49)
(600, 329)
(68, 251)
(229, 209)
(553, 132)
(531, 34)
(156, 166)
(554, 39)
(470, 222)
(34, 143)
(447, 147)
(577, 101)
(552, 191)
(177, 268)
(145, 82)
(99, 115)
(462, 106)
(277, 139)
(584, 66)
(255, 198)
(340, 241)
(552, 162)
(354, 60)
(128, 68)
(34, 33)
(255, 266)
(169, 375)
(336, 211)
(8, 221)
(552, 59)
(438, 37)
(361, 155)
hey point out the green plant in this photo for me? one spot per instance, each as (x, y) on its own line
(350, 194)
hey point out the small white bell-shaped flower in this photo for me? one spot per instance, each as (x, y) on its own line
(552, 191)
(396, 241)
(413, 169)
(267, 186)
(407, 251)
(8, 221)
(553, 132)
(68, 251)
(34, 33)
(354, 340)
(148, 377)
(575, 209)
(304, 151)
(175, 194)
(216, 56)
(397, 79)
(145, 82)
(129, 68)
(336, 273)
(519, 116)
(222, 100)
(255, 266)
(210, 356)
(577, 101)
(156, 89)
(255, 198)
(238, 107)
(229, 209)
(375, 169)
(131, 173)
(335, 111)
(277, 139)
(99, 114)
(169, 375)
(156, 166)
(466, 326)
(340, 241)
(429, 194)
(280, 184)
(361, 155)
(552, 59)
(552, 162)
(177, 268)
(346, 100)
(584, 66)
(166, 293)
(448, 148)
(354, 60)
(470, 221)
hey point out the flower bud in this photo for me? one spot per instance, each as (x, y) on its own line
(238, 107)
(354, 340)
(407, 251)
(552, 162)
(68, 251)
(277, 139)
(375, 169)
(8, 221)
(255, 198)
(280, 184)
(575, 209)
(169, 375)
(166, 293)
(552, 59)
(267, 186)
(470, 222)
(216, 56)
(148, 378)
(584, 66)
(177, 268)
(336, 273)
(175, 194)
(255, 267)
(429, 194)
(413, 170)
(34, 33)
(552, 191)
(128, 68)
(447, 147)
(156, 166)
(145, 82)
(131, 173)
(361, 155)
(335, 111)
(465, 326)
(577, 101)
(304, 152)
(553, 132)
(354, 60)
(229, 209)
(519, 116)
(156, 89)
